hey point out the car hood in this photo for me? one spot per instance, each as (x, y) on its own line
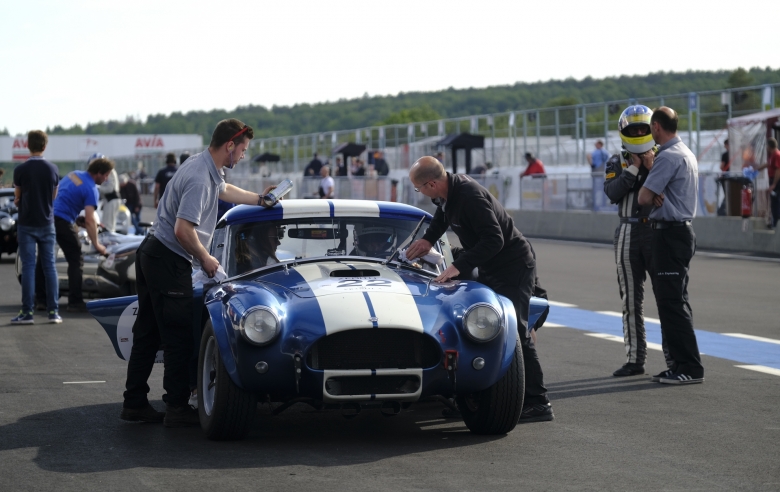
(339, 278)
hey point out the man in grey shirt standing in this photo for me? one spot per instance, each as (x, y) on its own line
(181, 237)
(672, 188)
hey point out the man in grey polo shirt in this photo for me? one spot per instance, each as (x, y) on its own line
(180, 238)
(672, 187)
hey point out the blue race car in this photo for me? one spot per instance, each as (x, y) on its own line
(318, 306)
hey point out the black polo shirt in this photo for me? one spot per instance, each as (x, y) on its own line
(38, 178)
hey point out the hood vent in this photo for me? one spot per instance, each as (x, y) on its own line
(354, 273)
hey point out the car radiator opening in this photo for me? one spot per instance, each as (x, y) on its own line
(374, 348)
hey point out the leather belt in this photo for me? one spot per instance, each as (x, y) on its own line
(634, 220)
(663, 224)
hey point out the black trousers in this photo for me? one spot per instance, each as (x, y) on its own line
(517, 284)
(68, 241)
(634, 260)
(774, 205)
(165, 317)
(673, 249)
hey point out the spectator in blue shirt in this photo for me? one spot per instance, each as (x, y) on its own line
(598, 157)
(78, 191)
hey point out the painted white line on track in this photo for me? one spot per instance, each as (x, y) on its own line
(614, 338)
(547, 324)
(82, 382)
(620, 315)
(561, 304)
(752, 337)
(764, 369)
(606, 336)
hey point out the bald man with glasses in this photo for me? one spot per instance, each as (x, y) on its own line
(493, 245)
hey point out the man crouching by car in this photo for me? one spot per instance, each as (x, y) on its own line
(491, 243)
(179, 239)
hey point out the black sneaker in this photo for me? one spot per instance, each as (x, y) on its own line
(666, 373)
(679, 378)
(540, 412)
(630, 369)
(184, 416)
(143, 414)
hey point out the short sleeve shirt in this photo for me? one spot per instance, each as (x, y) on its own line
(37, 178)
(327, 184)
(773, 166)
(675, 174)
(164, 176)
(191, 195)
(77, 190)
(599, 157)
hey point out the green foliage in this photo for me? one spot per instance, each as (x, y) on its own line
(411, 115)
(4, 131)
(448, 103)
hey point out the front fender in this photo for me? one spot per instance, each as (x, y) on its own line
(226, 339)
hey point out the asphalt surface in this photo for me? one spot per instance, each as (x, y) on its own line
(608, 434)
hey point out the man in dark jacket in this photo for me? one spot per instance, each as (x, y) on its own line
(492, 244)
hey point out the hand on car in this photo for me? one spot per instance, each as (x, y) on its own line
(447, 274)
(210, 266)
(418, 249)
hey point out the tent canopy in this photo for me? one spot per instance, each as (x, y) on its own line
(267, 157)
(349, 149)
(755, 117)
(467, 141)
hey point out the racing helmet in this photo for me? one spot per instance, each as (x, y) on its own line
(373, 240)
(96, 155)
(636, 117)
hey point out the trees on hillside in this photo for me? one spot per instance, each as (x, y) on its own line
(448, 103)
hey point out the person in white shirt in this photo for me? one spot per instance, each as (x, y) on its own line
(327, 185)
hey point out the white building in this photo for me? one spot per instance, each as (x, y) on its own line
(74, 148)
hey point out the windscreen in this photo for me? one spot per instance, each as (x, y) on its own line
(260, 244)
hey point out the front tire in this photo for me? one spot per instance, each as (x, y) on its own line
(226, 411)
(496, 409)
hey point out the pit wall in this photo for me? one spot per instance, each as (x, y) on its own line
(729, 234)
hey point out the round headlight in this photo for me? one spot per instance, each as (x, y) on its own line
(6, 223)
(259, 325)
(482, 322)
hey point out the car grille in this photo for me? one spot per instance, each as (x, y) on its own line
(372, 385)
(377, 348)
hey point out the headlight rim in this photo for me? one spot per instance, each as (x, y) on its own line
(7, 223)
(472, 308)
(246, 315)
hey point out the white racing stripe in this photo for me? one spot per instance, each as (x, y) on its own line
(752, 337)
(82, 382)
(311, 208)
(764, 369)
(343, 303)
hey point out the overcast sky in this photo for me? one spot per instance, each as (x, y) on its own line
(80, 61)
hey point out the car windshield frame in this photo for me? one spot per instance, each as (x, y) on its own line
(303, 245)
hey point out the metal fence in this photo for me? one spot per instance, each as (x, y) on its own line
(554, 192)
(557, 135)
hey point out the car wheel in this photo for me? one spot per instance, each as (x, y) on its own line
(496, 409)
(226, 411)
